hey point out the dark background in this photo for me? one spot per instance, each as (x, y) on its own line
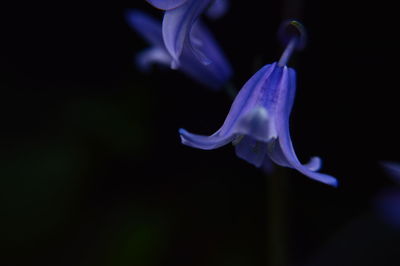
(92, 171)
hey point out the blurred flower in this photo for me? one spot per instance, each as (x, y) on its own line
(179, 27)
(393, 170)
(217, 9)
(387, 205)
(387, 202)
(258, 121)
(213, 75)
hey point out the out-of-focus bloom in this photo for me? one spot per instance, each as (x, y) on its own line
(387, 202)
(258, 121)
(387, 205)
(179, 27)
(213, 75)
(217, 9)
(393, 170)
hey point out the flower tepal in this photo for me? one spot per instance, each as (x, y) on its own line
(258, 121)
(178, 26)
(214, 75)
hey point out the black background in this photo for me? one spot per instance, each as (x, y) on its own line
(92, 171)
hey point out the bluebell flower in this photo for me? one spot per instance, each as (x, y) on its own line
(213, 75)
(258, 121)
(179, 27)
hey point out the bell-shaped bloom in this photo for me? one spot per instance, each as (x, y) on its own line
(213, 75)
(258, 122)
(179, 27)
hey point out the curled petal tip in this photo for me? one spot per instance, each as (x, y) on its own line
(182, 134)
(330, 180)
(183, 140)
(148, 57)
(323, 178)
(290, 29)
(314, 164)
(335, 183)
(182, 131)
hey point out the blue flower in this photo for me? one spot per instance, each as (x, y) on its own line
(179, 27)
(213, 75)
(258, 121)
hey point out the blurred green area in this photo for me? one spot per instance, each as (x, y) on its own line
(57, 207)
(120, 123)
(141, 239)
(63, 202)
(46, 174)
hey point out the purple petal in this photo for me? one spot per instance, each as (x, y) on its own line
(245, 101)
(218, 9)
(151, 56)
(247, 98)
(206, 75)
(314, 164)
(267, 166)
(213, 75)
(166, 4)
(257, 124)
(251, 150)
(177, 25)
(204, 142)
(285, 143)
(148, 27)
(288, 151)
(218, 65)
(393, 169)
(276, 154)
(291, 92)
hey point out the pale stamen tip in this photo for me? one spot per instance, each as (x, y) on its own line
(293, 29)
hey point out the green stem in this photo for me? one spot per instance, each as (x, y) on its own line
(276, 220)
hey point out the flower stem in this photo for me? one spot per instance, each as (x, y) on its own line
(276, 209)
(288, 52)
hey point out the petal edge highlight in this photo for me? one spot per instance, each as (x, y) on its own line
(166, 4)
